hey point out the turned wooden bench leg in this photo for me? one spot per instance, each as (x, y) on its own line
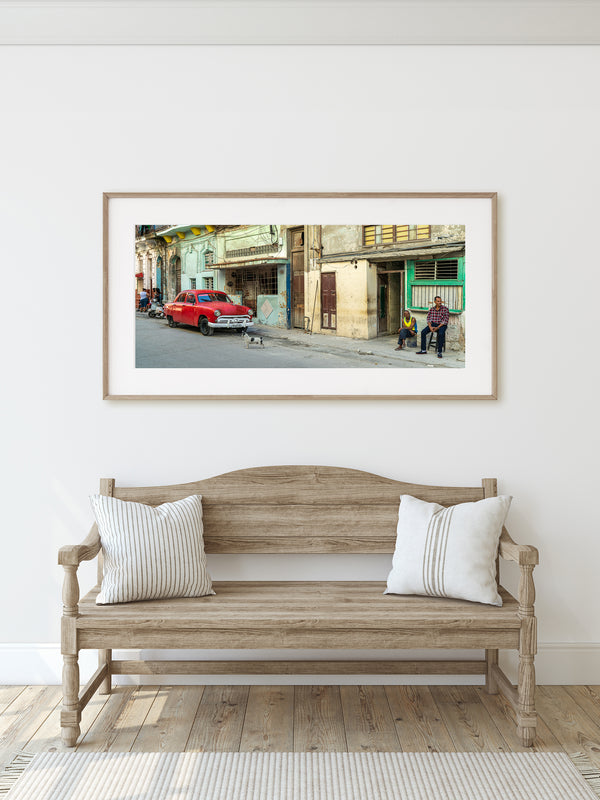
(70, 716)
(526, 714)
(105, 657)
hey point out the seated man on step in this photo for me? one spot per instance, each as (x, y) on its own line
(437, 322)
(407, 329)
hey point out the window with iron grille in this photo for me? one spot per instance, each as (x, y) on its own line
(436, 270)
(192, 283)
(208, 283)
(393, 234)
(267, 281)
(209, 258)
(245, 276)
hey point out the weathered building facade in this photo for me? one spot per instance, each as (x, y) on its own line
(150, 257)
(249, 262)
(362, 277)
(190, 255)
(254, 270)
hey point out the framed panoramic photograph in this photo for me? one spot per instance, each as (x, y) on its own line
(335, 295)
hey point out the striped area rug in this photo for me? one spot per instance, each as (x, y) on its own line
(300, 776)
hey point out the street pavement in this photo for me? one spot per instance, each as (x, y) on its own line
(157, 346)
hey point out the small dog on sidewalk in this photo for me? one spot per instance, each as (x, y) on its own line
(248, 340)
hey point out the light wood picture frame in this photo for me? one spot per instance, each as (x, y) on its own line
(446, 245)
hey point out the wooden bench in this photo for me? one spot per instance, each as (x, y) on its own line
(299, 510)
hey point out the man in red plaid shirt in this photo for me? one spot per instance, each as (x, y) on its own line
(437, 322)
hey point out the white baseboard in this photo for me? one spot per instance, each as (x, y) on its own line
(556, 663)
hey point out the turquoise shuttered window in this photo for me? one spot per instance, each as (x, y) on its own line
(427, 278)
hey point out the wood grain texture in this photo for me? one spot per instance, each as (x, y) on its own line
(7, 695)
(103, 732)
(491, 660)
(503, 715)
(23, 718)
(269, 720)
(419, 726)
(308, 604)
(48, 738)
(316, 667)
(299, 614)
(570, 723)
(169, 721)
(368, 720)
(132, 717)
(90, 688)
(73, 555)
(318, 720)
(526, 715)
(588, 698)
(305, 486)
(321, 638)
(219, 719)
(468, 722)
(568, 720)
(505, 687)
(521, 554)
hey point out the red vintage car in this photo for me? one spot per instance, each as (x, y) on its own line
(207, 310)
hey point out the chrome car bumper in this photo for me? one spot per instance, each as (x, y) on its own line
(231, 322)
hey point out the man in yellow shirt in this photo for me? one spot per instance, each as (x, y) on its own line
(407, 329)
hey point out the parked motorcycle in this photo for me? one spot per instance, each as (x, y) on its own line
(156, 310)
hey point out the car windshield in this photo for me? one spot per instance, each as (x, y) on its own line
(208, 296)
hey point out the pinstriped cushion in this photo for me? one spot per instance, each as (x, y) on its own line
(151, 552)
(448, 552)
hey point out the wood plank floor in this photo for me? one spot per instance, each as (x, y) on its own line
(300, 718)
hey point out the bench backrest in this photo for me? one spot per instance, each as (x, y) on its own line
(300, 509)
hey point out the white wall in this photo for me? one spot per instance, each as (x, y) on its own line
(519, 121)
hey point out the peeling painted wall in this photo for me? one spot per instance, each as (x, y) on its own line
(341, 238)
(448, 233)
(272, 309)
(356, 315)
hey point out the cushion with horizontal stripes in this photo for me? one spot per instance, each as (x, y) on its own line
(448, 552)
(151, 552)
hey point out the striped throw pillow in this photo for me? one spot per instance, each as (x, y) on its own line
(151, 552)
(448, 552)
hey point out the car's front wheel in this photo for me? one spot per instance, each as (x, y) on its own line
(172, 323)
(204, 327)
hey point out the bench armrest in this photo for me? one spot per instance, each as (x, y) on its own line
(521, 554)
(73, 554)
(70, 557)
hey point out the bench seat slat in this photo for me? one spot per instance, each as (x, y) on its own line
(311, 606)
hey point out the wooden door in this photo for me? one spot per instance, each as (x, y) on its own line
(297, 265)
(177, 274)
(328, 301)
